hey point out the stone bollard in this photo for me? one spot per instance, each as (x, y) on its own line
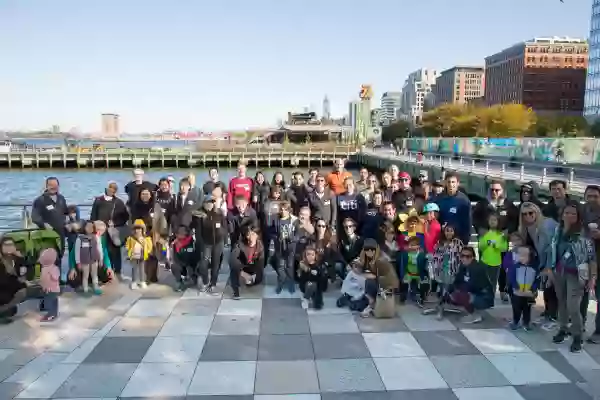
(502, 170)
(522, 173)
(571, 176)
(544, 173)
(487, 167)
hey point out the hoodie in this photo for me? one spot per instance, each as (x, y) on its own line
(372, 222)
(323, 206)
(530, 187)
(239, 187)
(166, 201)
(298, 197)
(523, 279)
(351, 206)
(492, 245)
(432, 231)
(210, 227)
(473, 278)
(236, 221)
(109, 208)
(50, 275)
(456, 211)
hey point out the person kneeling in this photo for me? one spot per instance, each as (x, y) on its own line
(185, 258)
(247, 260)
(472, 287)
(312, 279)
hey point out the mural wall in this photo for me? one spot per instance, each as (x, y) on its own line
(580, 150)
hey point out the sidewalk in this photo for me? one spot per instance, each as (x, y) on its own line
(157, 343)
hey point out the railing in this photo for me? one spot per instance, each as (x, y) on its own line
(542, 173)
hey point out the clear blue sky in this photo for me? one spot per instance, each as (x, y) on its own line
(229, 64)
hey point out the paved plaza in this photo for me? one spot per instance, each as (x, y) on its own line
(161, 344)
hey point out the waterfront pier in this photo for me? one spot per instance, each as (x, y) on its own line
(263, 157)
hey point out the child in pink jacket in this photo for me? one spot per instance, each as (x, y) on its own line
(49, 280)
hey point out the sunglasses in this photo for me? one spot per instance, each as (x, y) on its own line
(404, 179)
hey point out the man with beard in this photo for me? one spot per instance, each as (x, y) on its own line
(322, 203)
(495, 203)
(138, 183)
(50, 211)
(111, 210)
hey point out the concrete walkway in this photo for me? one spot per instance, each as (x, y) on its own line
(161, 344)
(532, 172)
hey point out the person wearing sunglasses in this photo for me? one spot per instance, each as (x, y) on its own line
(527, 193)
(472, 287)
(495, 203)
(350, 246)
(322, 202)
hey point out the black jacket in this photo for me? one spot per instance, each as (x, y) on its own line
(236, 221)
(350, 249)
(552, 210)
(242, 256)
(298, 197)
(143, 211)
(324, 207)
(400, 198)
(508, 215)
(109, 210)
(47, 211)
(211, 185)
(183, 209)
(210, 227)
(133, 190)
(261, 192)
(166, 201)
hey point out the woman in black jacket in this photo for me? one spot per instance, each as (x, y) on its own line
(13, 271)
(143, 208)
(260, 192)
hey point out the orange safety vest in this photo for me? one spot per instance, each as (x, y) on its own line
(335, 180)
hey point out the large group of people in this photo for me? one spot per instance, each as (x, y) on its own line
(376, 239)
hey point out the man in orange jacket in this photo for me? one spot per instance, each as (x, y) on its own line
(335, 179)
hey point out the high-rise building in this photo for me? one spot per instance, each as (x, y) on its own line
(458, 85)
(376, 116)
(326, 109)
(110, 125)
(591, 108)
(353, 110)
(415, 89)
(390, 103)
(546, 74)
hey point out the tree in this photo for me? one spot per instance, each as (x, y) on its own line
(595, 128)
(397, 130)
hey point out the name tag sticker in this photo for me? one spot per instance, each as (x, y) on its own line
(85, 244)
(218, 225)
(409, 203)
(326, 202)
(503, 213)
(567, 255)
(453, 210)
(190, 202)
(49, 207)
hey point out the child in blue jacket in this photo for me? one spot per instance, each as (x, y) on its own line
(523, 278)
(412, 271)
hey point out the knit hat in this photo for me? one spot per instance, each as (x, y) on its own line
(139, 223)
(48, 257)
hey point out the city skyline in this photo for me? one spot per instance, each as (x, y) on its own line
(234, 65)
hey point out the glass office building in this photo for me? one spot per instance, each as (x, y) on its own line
(592, 87)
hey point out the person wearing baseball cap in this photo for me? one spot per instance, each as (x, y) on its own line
(403, 197)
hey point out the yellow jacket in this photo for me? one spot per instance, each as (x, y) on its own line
(146, 244)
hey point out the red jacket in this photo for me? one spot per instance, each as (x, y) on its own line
(239, 187)
(433, 230)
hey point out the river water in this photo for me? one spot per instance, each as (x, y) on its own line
(82, 186)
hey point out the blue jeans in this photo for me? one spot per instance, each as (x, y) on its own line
(51, 304)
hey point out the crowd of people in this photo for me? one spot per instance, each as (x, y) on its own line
(376, 239)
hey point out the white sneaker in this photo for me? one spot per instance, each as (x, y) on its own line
(305, 304)
(143, 285)
(133, 286)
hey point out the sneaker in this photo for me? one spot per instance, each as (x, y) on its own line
(560, 337)
(133, 286)
(576, 345)
(367, 312)
(179, 287)
(98, 291)
(279, 287)
(504, 297)
(48, 318)
(291, 286)
(143, 285)
(305, 304)
(471, 319)
(235, 296)
(513, 326)
(420, 303)
(440, 313)
(528, 327)
(201, 287)
(594, 339)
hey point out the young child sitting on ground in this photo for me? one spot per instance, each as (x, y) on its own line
(312, 279)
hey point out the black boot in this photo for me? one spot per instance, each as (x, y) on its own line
(560, 336)
(576, 345)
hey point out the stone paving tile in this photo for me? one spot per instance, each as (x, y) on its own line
(178, 325)
(374, 325)
(281, 377)
(552, 392)
(160, 379)
(178, 349)
(9, 390)
(152, 308)
(444, 343)
(526, 368)
(409, 373)
(324, 324)
(200, 307)
(223, 378)
(348, 375)
(488, 393)
(132, 326)
(393, 344)
(282, 324)
(468, 371)
(84, 381)
(47, 384)
(36, 368)
(285, 348)
(343, 345)
(560, 363)
(235, 325)
(495, 341)
(425, 394)
(230, 348)
(120, 350)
